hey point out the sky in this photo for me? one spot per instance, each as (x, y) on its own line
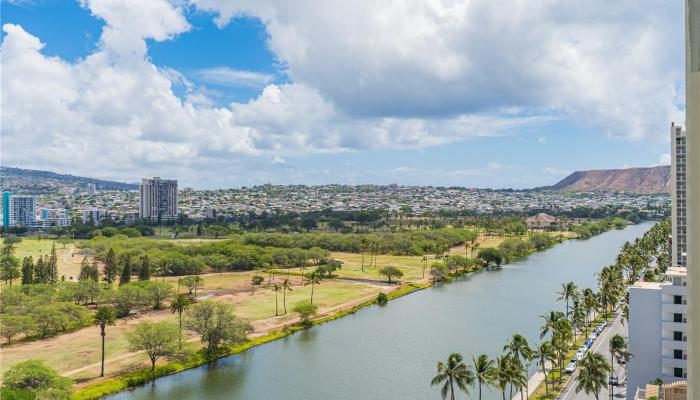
(227, 93)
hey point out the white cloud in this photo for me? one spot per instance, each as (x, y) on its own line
(665, 159)
(541, 139)
(614, 65)
(231, 77)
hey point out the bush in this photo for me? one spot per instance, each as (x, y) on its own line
(390, 273)
(305, 310)
(382, 298)
(34, 377)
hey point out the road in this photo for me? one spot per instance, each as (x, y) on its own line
(601, 346)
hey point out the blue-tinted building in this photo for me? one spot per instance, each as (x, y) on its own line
(6, 209)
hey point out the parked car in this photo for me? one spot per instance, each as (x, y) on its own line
(612, 381)
(570, 368)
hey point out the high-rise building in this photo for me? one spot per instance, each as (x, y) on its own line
(678, 196)
(53, 217)
(692, 125)
(658, 330)
(6, 209)
(93, 215)
(158, 200)
(21, 211)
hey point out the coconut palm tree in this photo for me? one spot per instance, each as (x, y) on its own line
(502, 375)
(179, 305)
(590, 304)
(453, 372)
(276, 288)
(286, 287)
(104, 316)
(518, 376)
(484, 370)
(315, 278)
(568, 291)
(618, 349)
(544, 353)
(519, 350)
(550, 321)
(592, 376)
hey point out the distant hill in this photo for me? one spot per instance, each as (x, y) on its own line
(30, 181)
(637, 180)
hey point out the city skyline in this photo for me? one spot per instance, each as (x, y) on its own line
(235, 97)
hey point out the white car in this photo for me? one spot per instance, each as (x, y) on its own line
(570, 368)
(579, 355)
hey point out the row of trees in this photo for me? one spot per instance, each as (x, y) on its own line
(560, 331)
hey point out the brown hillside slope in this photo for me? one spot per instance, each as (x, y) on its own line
(639, 180)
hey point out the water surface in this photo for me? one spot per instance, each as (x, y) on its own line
(390, 352)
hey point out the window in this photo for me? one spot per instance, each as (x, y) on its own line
(678, 354)
(678, 372)
(677, 299)
(677, 317)
(678, 336)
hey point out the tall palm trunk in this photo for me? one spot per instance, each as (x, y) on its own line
(546, 384)
(180, 337)
(312, 290)
(102, 333)
(452, 389)
(284, 300)
(479, 389)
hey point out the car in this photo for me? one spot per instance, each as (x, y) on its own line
(613, 381)
(580, 354)
(570, 368)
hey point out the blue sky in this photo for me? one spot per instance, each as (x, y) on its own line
(294, 96)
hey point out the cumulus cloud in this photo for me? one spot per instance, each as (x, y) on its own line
(615, 65)
(362, 75)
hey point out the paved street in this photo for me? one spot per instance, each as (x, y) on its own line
(601, 345)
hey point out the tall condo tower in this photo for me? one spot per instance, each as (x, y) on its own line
(692, 110)
(678, 196)
(158, 200)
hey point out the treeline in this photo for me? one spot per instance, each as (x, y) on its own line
(166, 258)
(587, 230)
(397, 243)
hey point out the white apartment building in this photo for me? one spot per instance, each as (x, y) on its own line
(158, 199)
(658, 331)
(49, 217)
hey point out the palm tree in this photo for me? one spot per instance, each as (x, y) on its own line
(276, 288)
(179, 305)
(502, 375)
(589, 304)
(484, 370)
(550, 321)
(519, 350)
(518, 376)
(286, 286)
(454, 372)
(592, 375)
(315, 278)
(544, 353)
(568, 291)
(104, 316)
(363, 245)
(618, 348)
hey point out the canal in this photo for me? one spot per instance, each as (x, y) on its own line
(390, 352)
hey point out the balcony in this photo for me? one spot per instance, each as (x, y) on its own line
(671, 307)
(674, 290)
(669, 343)
(670, 362)
(673, 326)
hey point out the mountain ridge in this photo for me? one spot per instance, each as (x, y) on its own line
(636, 180)
(32, 181)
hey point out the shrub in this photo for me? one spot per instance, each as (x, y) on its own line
(382, 298)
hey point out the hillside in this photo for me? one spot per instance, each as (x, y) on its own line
(638, 180)
(29, 181)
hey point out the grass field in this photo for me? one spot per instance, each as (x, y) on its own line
(68, 258)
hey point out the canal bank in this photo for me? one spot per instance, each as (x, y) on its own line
(390, 352)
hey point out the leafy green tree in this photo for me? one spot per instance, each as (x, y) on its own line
(9, 264)
(256, 280)
(145, 270)
(390, 273)
(453, 373)
(27, 270)
(305, 310)
(382, 299)
(439, 272)
(126, 270)
(129, 297)
(157, 339)
(41, 275)
(592, 376)
(490, 255)
(157, 292)
(52, 265)
(37, 380)
(104, 316)
(192, 283)
(12, 240)
(216, 324)
(111, 269)
(11, 325)
(484, 371)
(179, 305)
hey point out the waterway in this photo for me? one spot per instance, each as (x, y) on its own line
(390, 352)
